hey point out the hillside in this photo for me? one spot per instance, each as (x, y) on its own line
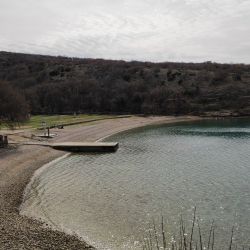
(65, 85)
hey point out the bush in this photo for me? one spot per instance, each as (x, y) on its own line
(13, 106)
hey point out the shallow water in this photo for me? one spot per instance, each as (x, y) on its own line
(111, 199)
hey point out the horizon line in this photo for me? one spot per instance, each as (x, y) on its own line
(124, 60)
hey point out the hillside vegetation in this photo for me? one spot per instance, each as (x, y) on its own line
(59, 85)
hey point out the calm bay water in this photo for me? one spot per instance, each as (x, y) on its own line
(111, 199)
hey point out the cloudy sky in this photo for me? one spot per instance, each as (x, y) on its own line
(148, 30)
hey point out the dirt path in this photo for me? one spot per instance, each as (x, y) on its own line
(17, 166)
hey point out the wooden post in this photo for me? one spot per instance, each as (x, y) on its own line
(48, 132)
(1, 141)
(5, 141)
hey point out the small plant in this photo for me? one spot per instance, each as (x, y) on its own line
(191, 239)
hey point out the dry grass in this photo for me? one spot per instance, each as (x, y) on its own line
(188, 238)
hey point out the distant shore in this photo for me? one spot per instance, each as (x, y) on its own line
(18, 164)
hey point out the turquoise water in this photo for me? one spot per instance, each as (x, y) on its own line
(111, 199)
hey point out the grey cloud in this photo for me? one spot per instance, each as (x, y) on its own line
(155, 30)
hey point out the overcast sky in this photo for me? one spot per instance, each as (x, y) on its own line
(148, 30)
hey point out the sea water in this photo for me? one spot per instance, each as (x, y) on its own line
(111, 200)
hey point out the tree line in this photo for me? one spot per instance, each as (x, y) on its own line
(55, 85)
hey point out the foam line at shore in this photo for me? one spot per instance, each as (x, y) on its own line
(37, 173)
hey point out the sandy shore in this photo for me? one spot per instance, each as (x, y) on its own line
(18, 164)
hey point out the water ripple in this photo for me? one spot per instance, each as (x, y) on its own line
(110, 199)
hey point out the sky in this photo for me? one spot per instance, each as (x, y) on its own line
(143, 30)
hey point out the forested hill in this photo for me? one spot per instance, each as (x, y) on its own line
(63, 85)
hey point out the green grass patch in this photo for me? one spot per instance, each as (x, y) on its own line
(37, 121)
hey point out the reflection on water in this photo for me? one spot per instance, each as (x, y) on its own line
(111, 199)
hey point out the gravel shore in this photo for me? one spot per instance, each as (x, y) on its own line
(17, 166)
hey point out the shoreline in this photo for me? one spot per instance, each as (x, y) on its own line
(19, 166)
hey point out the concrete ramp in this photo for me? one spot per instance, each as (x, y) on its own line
(86, 146)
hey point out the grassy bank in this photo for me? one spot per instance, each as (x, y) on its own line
(38, 121)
